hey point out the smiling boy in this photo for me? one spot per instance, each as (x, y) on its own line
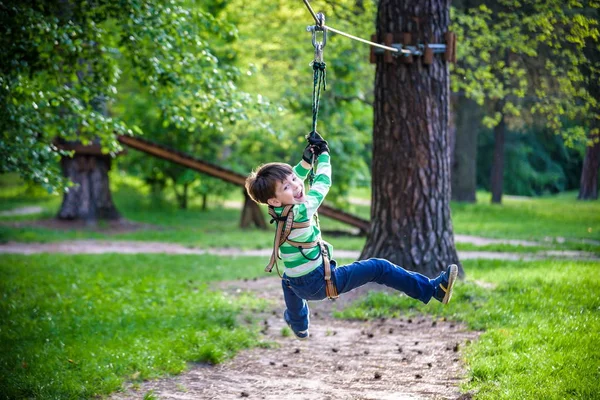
(309, 274)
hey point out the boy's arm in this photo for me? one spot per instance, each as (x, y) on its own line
(320, 186)
(301, 170)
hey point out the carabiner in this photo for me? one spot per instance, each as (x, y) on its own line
(319, 27)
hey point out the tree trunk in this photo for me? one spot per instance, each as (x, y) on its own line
(251, 214)
(588, 187)
(464, 161)
(182, 199)
(410, 213)
(90, 199)
(497, 174)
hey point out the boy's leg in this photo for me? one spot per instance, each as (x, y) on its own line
(297, 312)
(381, 271)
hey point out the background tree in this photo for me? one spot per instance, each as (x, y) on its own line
(588, 188)
(56, 64)
(465, 127)
(410, 213)
(523, 60)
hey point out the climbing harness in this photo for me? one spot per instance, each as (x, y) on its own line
(285, 224)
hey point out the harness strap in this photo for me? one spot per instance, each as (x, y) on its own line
(330, 289)
(285, 224)
(303, 245)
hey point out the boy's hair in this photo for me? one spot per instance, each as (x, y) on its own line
(262, 182)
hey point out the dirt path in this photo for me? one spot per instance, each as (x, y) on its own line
(134, 247)
(418, 358)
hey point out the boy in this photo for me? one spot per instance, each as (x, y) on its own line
(309, 274)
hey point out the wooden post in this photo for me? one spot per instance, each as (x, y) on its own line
(450, 53)
(405, 38)
(428, 56)
(388, 57)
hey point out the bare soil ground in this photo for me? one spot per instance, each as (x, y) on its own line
(407, 358)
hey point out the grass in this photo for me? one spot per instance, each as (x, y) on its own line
(540, 219)
(77, 326)
(540, 324)
(529, 218)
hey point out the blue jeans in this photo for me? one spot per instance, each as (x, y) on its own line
(345, 278)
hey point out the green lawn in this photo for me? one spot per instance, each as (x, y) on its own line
(77, 326)
(74, 327)
(536, 219)
(540, 324)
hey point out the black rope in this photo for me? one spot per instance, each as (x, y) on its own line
(319, 82)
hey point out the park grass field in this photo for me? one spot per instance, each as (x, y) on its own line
(78, 326)
(556, 222)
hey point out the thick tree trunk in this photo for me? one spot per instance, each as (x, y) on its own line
(90, 199)
(410, 213)
(588, 187)
(467, 117)
(497, 173)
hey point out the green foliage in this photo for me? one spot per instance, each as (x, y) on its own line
(79, 326)
(524, 58)
(62, 66)
(537, 162)
(279, 50)
(539, 319)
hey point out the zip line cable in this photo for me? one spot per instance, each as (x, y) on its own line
(322, 26)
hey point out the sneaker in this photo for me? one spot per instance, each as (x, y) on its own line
(299, 334)
(444, 284)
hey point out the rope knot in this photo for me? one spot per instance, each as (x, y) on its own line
(319, 66)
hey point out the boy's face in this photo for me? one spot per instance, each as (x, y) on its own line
(290, 191)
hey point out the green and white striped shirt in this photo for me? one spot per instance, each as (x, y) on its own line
(295, 263)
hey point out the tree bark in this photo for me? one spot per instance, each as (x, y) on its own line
(464, 160)
(497, 173)
(251, 214)
(588, 186)
(90, 199)
(410, 213)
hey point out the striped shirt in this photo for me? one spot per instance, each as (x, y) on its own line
(297, 264)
